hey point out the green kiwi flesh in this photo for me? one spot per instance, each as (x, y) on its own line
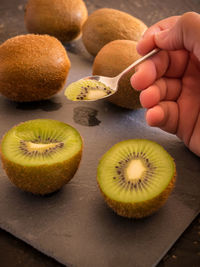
(41, 155)
(136, 177)
(84, 89)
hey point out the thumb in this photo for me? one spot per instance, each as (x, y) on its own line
(185, 34)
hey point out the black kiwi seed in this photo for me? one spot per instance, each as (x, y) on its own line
(131, 188)
(135, 186)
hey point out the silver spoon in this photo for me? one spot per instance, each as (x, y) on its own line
(95, 87)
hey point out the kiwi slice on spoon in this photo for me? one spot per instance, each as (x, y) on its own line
(136, 177)
(41, 155)
(86, 89)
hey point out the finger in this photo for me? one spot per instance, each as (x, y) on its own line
(189, 102)
(164, 116)
(169, 64)
(194, 140)
(150, 70)
(144, 75)
(185, 34)
(163, 89)
(147, 43)
(178, 61)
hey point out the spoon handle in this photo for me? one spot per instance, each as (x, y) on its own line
(137, 62)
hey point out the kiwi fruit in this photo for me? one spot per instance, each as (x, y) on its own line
(86, 89)
(112, 59)
(61, 18)
(106, 24)
(41, 155)
(136, 177)
(32, 67)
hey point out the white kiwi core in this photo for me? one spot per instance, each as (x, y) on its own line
(95, 94)
(135, 169)
(39, 147)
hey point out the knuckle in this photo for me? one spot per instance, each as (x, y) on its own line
(187, 17)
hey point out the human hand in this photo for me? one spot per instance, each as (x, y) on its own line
(170, 80)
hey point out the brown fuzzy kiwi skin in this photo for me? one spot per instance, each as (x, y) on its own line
(106, 24)
(43, 179)
(32, 67)
(112, 59)
(142, 209)
(60, 18)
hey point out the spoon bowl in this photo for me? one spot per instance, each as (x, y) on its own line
(96, 87)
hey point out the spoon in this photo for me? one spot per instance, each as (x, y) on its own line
(93, 88)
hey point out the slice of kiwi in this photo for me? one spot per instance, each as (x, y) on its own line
(136, 177)
(41, 155)
(85, 89)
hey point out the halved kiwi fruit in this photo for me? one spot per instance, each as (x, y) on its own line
(85, 89)
(41, 155)
(33, 67)
(136, 177)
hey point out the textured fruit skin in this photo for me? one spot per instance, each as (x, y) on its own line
(32, 67)
(112, 59)
(142, 209)
(144, 206)
(106, 24)
(60, 18)
(43, 179)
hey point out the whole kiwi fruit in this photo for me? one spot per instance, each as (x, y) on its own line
(106, 24)
(41, 155)
(112, 59)
(32, 67)
(136, 177)
(60, 18)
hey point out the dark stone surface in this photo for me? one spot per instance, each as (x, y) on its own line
(86, 116)
(14, 252)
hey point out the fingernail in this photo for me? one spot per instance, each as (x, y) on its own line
(143, 34)
(132, 80)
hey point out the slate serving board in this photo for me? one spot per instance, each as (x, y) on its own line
(74, 225)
